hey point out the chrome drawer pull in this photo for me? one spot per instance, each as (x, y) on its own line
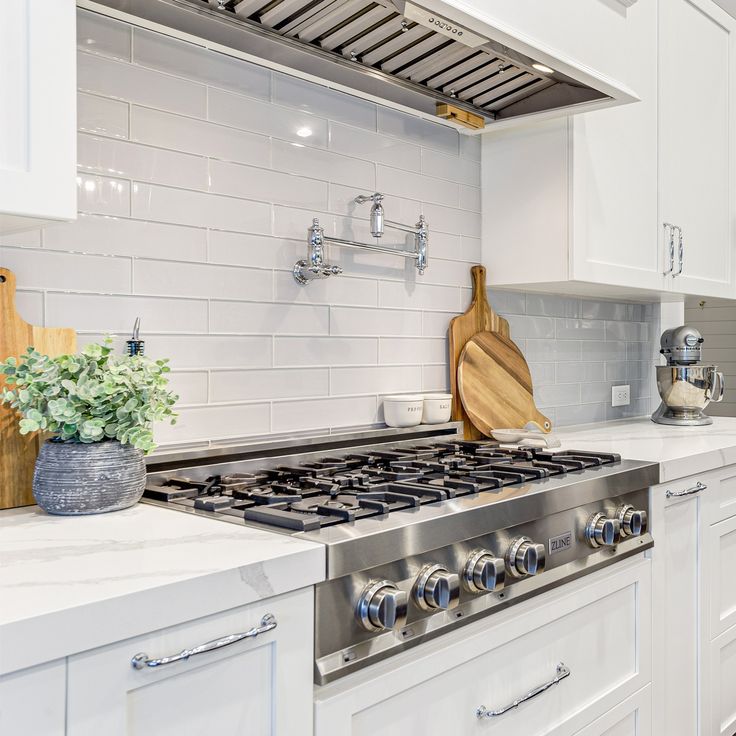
(689, 492)
(562, 673)
(268, 622)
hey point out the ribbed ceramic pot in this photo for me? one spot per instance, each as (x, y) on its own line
(76, 478)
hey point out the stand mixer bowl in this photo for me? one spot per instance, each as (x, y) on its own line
(687, 389)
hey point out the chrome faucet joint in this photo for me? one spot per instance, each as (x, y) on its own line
(314, 267)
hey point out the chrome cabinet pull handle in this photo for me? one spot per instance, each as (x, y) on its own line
(142, 660)
(681, 249)
(562, 673)
(689, 492)
(668, 226)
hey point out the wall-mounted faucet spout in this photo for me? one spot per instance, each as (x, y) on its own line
(315, 267)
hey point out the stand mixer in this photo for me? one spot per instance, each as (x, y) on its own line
(685, 386)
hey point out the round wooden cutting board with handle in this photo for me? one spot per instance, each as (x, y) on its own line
(18, 453)
(495, 385)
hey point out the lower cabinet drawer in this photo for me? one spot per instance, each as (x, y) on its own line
(252, 674)
(566, 658)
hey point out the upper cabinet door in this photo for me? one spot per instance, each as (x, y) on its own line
(697, 86)
(38, 103)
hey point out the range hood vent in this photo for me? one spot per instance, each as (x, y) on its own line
(397, 50)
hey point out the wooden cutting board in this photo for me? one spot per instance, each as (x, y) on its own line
(495, 385)
(479, 317)
(18, 453)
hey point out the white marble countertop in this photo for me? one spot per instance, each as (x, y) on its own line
(72, 583)
(680, 451)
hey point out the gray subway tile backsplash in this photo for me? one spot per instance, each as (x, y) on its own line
(199, 175)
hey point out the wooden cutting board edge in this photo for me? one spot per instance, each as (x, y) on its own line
(17, 452)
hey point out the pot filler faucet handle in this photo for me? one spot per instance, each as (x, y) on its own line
(377, 211)
(315, 267)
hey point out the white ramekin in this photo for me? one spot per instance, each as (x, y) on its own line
(404, 410)
(437, 408)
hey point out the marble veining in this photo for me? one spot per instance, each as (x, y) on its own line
(70, 583)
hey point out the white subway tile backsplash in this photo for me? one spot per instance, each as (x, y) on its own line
(200, 64)
(523, 326)
(262, 251)
(216, 422)
(322, 101)
(545, 373)
(451, 168)
(325, 351)
(142, 86)
(273, 383)
(190, 386)
(268, 318)
(580, 329)
(560, 351)
(270, 186)
(339, 412)
(98, 34)
(103, 195)
(102, 115)
(552, 306)
(629, 331)
(435, 378)
(352, 321)
(262, 117)
(69, 271)
(296, 158)
(581, 414)
(343, 290)
(453, 220)
(412, 351)
(580, 372)
(470, 146)
(125, 237)
(168, 278)
(419, 296)
(557, 395)
(417, 186)
(417, 130)
(145, 163)
(200, 137)
(378, 380)
(150, 202)
(470, 198)
(374, 147)
(106, 313)
(30, 306)
(436, 324)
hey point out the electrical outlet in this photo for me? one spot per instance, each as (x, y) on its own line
(620, 396)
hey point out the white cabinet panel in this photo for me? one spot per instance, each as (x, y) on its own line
(33, 701)
(633, 717)
(720, 701)
(260, 686)
(439, 688)
(677, 580)
(37, 112)
(696, 144)
(720, 553)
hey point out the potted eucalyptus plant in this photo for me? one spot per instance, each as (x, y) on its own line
(100, 408)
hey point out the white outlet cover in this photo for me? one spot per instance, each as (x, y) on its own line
(620, 395)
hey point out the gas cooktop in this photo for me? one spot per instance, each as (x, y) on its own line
(423, 531)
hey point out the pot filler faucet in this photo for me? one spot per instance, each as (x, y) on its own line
(315, 267)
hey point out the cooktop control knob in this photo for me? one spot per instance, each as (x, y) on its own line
(382, 606)
(633, 522)
(600, 531)
(483, 572)
(525, 557)
(437, 588)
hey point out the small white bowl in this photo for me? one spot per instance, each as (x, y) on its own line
(437, 408)
(404, 410)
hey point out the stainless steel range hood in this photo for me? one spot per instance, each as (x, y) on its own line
(415, 53)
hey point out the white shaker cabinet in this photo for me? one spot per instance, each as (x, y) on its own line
(38, 101)
(579, 205)
(259, 685)
(33, 701)
(694, 527)
(571, 204)
(697, 144)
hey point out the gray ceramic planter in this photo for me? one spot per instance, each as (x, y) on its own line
(74, 478)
